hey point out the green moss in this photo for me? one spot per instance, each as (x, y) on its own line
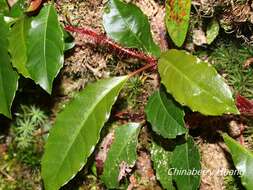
(228, 58)
(232, 183)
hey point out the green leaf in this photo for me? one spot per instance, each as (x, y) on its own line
(122, 153)
(243, 160)
(195, 83)
(8, 77)
(76, 131)
(186, 158)
(18, 47)
(161, 163)
(69, 40)
(177, 19)
(127, 25)
(165, 115)
(4, 8)
(212, 31)
(17, 10)
(45, 47)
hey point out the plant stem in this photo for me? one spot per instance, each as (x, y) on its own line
(145, 67)
(101, 39)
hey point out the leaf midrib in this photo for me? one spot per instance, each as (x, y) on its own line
(192, 81)
(80, 128)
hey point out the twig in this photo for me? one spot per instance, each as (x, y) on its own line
(10, 178)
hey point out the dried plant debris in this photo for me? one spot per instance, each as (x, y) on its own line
(233, 16)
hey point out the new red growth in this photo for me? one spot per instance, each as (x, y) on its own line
(244, 105)
(102, 40)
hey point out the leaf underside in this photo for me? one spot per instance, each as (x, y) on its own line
(198, 85)
(165, 115)
(8, 77)
(45, 47)
(122, 153)
(126, 24)
(76, 131)
(243, 161)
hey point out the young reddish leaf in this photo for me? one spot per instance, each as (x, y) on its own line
(177, 19)
(34, 5)
(244, 105)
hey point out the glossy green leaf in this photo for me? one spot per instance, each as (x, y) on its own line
(212, 32)
(161, 163)
(243, 160)
(45, 47)
(122, 153)
(165, 115)
(195, 83)
(127, 25)
(76, 131)
(177, 19)
(18, 47)
(8, 77)
(186, 158)
(69, 41)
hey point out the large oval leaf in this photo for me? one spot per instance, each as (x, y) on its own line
(122, 154)
(161, 163)
(186, 157)
(195, 83)
(243, 160)
(45, 47)
(165, 115)
(177, 19)
(8, 77)
(127, 25)
(17, 47)
(76, 131)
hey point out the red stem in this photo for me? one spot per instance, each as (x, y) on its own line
(105, 41)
